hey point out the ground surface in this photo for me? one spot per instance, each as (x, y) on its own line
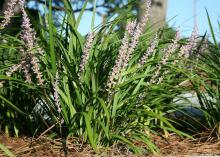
(45, 147)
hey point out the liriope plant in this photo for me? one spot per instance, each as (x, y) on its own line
(103, 88)
(207, 84)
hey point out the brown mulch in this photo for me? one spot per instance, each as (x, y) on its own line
(204, 144)
(45, 147)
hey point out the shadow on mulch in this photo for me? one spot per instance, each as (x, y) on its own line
(172, 146)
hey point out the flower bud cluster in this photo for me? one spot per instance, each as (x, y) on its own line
(8, 13)
(116, 70)
(129, 42)
(149, 51)
(87, 49)
(56, 94)
(168, 52)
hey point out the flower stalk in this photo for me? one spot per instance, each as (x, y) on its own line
(134, 31)
(56, 94)
(8, 13)
(168, 52)
(87, 49)
(149, 51)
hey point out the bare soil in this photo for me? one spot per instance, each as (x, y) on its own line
(171, 146)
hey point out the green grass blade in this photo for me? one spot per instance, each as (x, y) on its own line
(6, 151)
(93, 16)
(90, 131)
(70, 13)
(81, 14)
(12, 105)
(51, 40)
(125, 140)
(211, 29)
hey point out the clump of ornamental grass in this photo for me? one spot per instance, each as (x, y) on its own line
(95, 86)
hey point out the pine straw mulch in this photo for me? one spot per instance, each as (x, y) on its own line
(172, 146)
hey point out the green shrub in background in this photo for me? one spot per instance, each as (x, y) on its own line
(106, 89)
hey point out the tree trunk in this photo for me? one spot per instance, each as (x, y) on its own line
(17, 9)
(159, 11)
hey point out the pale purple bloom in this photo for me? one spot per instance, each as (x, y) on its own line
(136, 35)
(146, 15)
(56, 94)
(121, 56)
(171, 48)
(26, 70)
(192, 41)
(13, 69)
(35, 64)
(127, 48)
(169, 51)
(162, 77)
(156, 74)
(8, 13)
(184, 51)
(191, 44)
(28, 34)
(131, 27)
(149, 51)
(87, 49)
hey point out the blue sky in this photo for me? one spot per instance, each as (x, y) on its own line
(180, 14)
(182, 10)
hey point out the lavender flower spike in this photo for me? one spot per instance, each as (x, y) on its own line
(149, 51)
(146, 15)
(56, 94)
(28, 34)
(171, 48)
(13, 69)
(26, 68)
(127, 48)
(8, 13)
(35, 64)
(139, 30)
(122, 54)
(191, 44)
(184, 51)
(87, 49)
